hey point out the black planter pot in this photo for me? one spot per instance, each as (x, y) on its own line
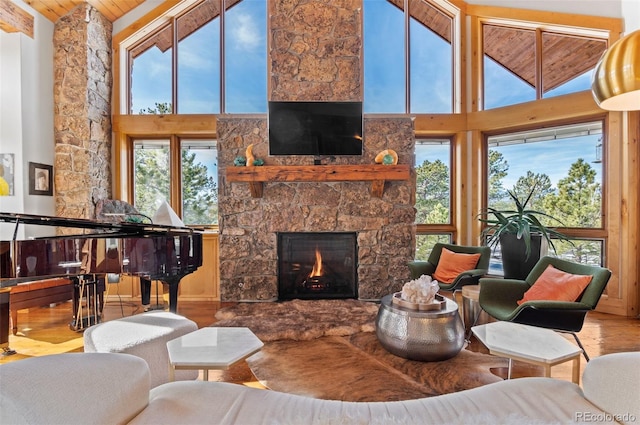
(513, 252)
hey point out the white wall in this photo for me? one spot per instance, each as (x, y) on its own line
(26, 115)
(631, 13)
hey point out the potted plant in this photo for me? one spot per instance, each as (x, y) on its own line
(520, 233)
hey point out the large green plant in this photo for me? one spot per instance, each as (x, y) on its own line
(520, 221)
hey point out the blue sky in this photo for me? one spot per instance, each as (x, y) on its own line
(384, 82)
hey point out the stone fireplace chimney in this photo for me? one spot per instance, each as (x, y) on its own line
(82, 116)
(315, 53)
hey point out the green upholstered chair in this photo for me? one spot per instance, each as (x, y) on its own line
(498, 297)
(469, 277)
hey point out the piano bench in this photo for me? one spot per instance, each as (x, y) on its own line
(143, 335)
(37, 294)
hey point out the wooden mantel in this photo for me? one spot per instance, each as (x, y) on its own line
(377, 174)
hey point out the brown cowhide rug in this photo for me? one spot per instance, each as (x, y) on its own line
(328, 349)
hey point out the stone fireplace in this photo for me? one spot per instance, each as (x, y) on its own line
(249, 227)
(315, 54)
(317, 265)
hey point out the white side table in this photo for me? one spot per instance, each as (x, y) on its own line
(529, 344)
(211, 348)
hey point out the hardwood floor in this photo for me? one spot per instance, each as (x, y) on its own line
(45, 330)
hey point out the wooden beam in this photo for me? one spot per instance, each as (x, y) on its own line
(14, 19)
(377, 174)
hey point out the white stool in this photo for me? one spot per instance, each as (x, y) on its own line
(143, 335)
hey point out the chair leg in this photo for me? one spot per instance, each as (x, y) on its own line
(575, 336)
(475, 321)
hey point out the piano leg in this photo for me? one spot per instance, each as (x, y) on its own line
(145, 292)
(4, 322)
(173, 293)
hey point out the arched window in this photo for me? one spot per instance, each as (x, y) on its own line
(515, 51)
(207, 59)
(410, 54)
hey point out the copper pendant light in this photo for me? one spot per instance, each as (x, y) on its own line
(616, 78)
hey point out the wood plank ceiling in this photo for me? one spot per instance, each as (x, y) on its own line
(55, 9)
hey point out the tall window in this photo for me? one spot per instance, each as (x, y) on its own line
(199, 60)
(151, 72)
(152, 175)
(246, 57)
(433, 194)
(428, 86)
(562, 167)
(195, 190)
(194, 64)
(512, 56)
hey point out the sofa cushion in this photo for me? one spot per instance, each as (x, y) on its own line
(611, 382)
(556, 285)
(525, 400)
(451, 264)
(73, 388)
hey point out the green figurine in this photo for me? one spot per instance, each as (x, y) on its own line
(388, 159)
(240, 161)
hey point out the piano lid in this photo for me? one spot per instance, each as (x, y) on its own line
(123, 228)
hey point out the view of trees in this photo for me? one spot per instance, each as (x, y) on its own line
(153, 181)
(576, 201)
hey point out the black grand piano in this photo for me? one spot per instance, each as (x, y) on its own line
(88, 250)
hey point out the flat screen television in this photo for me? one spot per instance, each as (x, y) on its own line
(315, 128)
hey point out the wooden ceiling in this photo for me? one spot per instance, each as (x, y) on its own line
(55, 9)
(564, 57)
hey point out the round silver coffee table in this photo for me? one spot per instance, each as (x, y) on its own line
(420, 335)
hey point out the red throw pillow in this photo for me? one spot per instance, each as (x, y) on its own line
(451, 264)
(556, 285)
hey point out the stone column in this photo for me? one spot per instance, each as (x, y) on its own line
(82, 115)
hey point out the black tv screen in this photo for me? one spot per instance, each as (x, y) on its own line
(315, 128)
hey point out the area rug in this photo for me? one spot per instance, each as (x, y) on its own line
(327, 349)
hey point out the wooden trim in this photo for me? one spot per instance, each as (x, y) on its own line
(441, 125)
(614, 25)
(553, 110)
(14, 19)
(375, 173)
(476, 77)
(153, 125)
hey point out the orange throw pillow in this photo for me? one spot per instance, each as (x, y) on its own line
(451, 264)
(556, 285)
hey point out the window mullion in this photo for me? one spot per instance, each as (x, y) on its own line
(175, 188)
(538, 63)
(223, 107)
(174, 66)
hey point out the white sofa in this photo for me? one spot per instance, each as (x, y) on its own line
(110, 388)
(145, 336)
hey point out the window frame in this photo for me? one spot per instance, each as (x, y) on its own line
(538, 28)
(457, 47)
(597, 233)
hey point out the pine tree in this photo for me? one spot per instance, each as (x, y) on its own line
(578, 204)
(432, 192)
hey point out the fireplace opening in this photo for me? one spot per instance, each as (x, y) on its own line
(317, 265)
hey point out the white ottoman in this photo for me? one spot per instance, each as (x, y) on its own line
(73, 388)
(143, 335)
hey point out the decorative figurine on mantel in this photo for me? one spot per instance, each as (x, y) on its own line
(250, 160)
(387, 157)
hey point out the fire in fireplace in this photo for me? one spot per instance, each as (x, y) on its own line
(317, 265)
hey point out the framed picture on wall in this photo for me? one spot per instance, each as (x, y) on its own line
(6, 174)
(40, 179)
